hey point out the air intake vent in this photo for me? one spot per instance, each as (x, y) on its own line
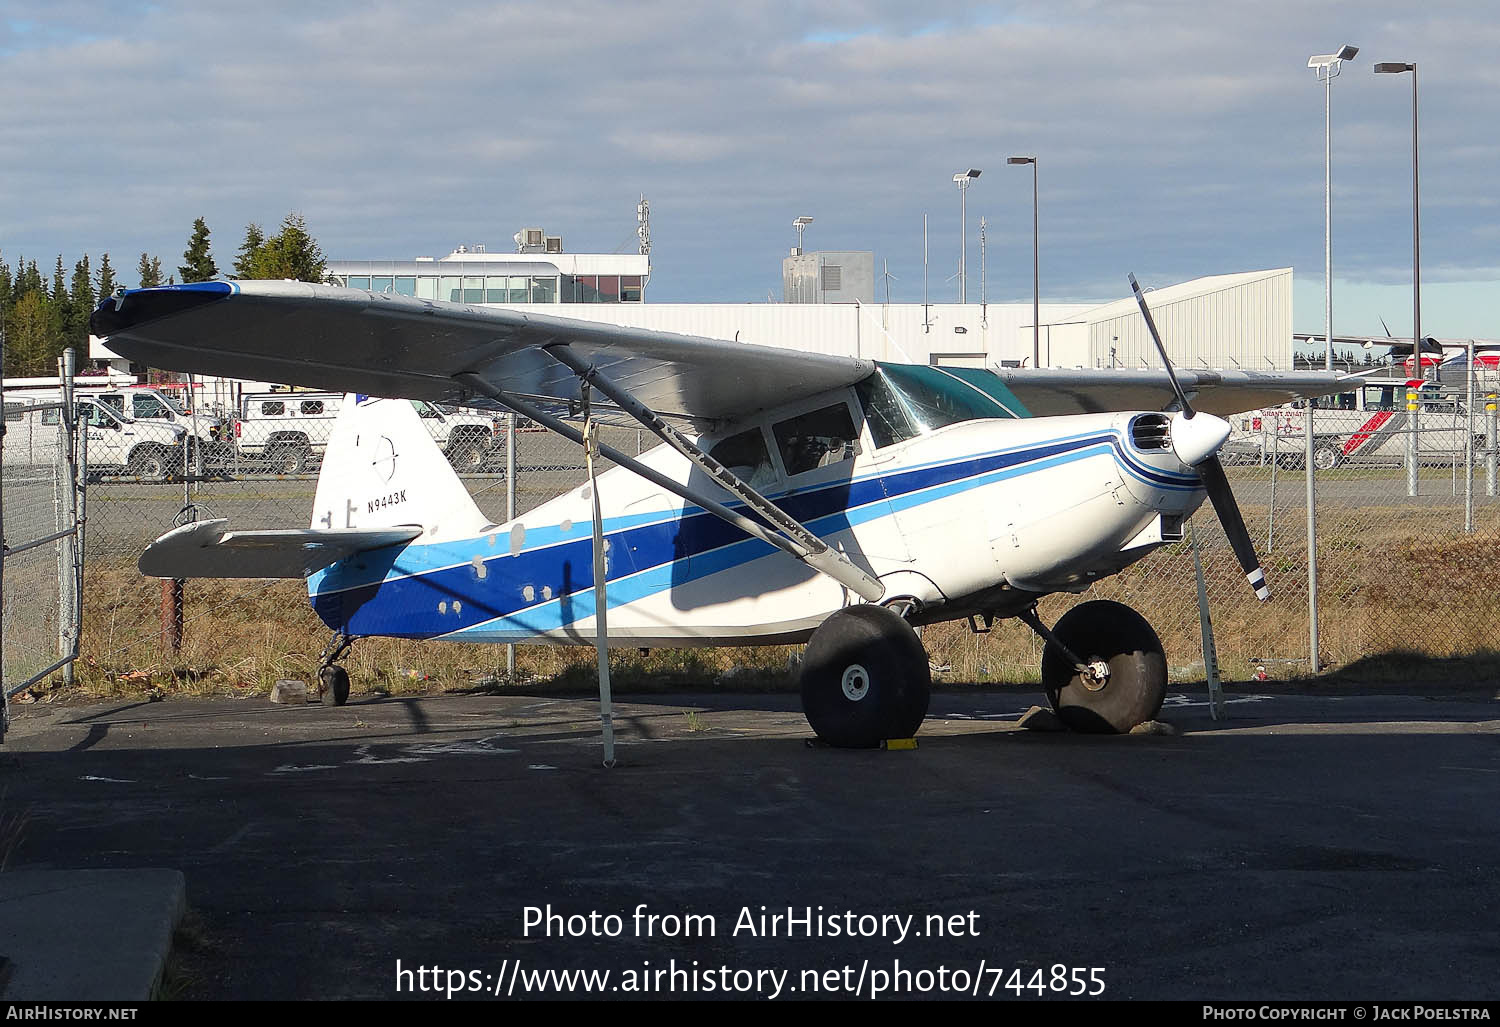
(1151, 432)
(833, 277)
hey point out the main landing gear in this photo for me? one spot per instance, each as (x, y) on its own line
(333, 680)
(865, 678)
(1103, 667)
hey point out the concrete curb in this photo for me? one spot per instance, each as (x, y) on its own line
(88, 935)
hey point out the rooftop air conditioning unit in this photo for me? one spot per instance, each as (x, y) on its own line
(554, 244)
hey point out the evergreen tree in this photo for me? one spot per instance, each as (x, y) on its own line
(29, 347)
(32, 280)
(61, 308)
(6, 293)
(107, 283)
(149, 270)
(249, 251)
(76, 330)
(197, 263)
(291, 253)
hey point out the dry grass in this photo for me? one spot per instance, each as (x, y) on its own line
(1390, 608)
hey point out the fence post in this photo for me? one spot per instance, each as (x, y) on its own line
(1313, 655)
(1469, 445)
(1413, 460)
(69, 550)
(171, 614)
(1491, 443)
(510, 515)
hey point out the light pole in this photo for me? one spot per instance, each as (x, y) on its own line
(1396, 68)
(1327, 67)
(963, 178)
(1414, 402)
(800, 224)
(1036, 278)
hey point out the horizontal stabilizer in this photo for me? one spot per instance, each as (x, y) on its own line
(207, 549)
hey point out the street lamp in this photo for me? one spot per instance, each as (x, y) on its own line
(1396, 68)
(1413, 399)
(963, 178)
(1036, 278)
(800, 224)
(1327, 67)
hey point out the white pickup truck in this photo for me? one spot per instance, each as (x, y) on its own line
(117, 444)
(287, 432)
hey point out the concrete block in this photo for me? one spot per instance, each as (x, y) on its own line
(290, 692)
(1039, 718)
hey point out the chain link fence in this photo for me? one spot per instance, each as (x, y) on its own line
(1403, 555)
(42, 475)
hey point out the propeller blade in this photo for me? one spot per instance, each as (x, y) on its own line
(1140, 298)
(1216, 484)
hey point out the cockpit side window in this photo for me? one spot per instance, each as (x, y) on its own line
(746, 457)
(818, 438)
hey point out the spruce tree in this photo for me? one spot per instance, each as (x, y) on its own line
(149, 270)
(107, 283)
(291, 253)
(197, 263)
(249, 252)
(77, 328)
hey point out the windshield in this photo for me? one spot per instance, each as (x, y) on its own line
(902, 401)
(173, 403)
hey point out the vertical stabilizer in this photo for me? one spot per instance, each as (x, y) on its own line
(383, 469)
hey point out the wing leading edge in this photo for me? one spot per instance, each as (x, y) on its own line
(387, 345)
(399, 346)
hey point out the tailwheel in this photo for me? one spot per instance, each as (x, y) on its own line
(335, 682)
(1104, 669)
(865, 678)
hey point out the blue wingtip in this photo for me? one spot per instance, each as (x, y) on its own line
(137, 306)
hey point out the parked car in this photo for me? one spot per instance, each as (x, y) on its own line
(288, 431)
(117, 444)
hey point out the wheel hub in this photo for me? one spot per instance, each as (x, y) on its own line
(856, 682)
(1096, 675)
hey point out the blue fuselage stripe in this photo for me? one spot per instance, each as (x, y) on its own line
(423, 591)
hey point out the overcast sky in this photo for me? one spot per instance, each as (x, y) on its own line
(1176, 138)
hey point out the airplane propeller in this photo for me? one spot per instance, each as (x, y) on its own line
(1196, 439)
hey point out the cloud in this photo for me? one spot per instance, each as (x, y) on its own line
(1173, 135)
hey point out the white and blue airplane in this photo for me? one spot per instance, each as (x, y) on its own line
(796, 496)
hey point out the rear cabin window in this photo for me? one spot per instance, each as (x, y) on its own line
(819, 438)
(52, 416)
(312, 406)
(116, 402)
(272, 409)
(15, 411)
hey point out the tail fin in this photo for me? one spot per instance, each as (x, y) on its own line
(382, 469)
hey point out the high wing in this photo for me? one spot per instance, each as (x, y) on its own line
(399, 346)
(1047, 391)
(347, 340)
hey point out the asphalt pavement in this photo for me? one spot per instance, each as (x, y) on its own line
(1311, 847)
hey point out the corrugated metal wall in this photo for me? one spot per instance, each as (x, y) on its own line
(1234, 322)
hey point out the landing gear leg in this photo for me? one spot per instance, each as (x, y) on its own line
(1103, 667)
(865, 678)
(333, 680)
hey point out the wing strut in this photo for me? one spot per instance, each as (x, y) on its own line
(791, 537)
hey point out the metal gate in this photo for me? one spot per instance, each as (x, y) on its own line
(43, 470)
